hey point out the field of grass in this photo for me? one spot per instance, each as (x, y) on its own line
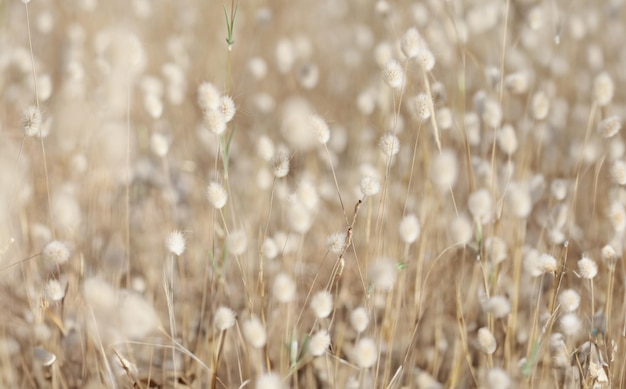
(312, 194)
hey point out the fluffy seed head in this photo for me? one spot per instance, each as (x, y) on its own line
(617, 216)
(56, 253)
(269, 381)
(208, 96)
(389, 144)
(227, 108)
(569, 300)
(547, 263)
(254, 332)
(460, 230)
(217, 195)
(411, 43)
(214, 121)
(320, 128)
(319, 342)
(160, 144)
(492, 114)
(507, 139)
(498, 306)
(498, 378)
(284, 289)
(603, 89)
(359, 319)
(224, 318)
(299, 218)
(486, 341)
(571, 324)
(54, 290)
(393, 75)
(558, 188)
(610, 126)
(609, 256)
(280, 164)
(519, 199)
(175, 242)
(409, 229)
(516, 83)
(370, 186)
(336, 242)
(383, 275)
(540, 105)
(365, 353)
(587, 268)
(270, 248)
(237, 242)
(423, 106)
(265, 148)
(426, 59)
(322, 304)
(31, 121)
(443, 170)
(618, 172)
(480, 205)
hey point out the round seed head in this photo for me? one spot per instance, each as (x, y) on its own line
(56, 253)
(393, 75)
(365, 353)
(322, 304)
(411, 43)
(617, 216)
(269, 381)
(409, 229)
(516, 83)
(254, 332)
(571, 324)
(426, 59)
(569, 300)
(383, 275)
(370, 186)
(359, 319)
(389, 144)
(336, 242)
(498, 378)
(208, 97)
(284, 289)
(461, 230)
(587, 268)
(486, 341)
(320, 128)
(319, 343)
(492, 114)
(217, 195)
(480, 205)
(603, 89)
(498, 306)
(224, 318)
(618, 172)
(423, 106)
(227, 108)
(444, 171)
(54, 290)
(31, 121)
(280, 163)
(175, 242)
(610, 126)
(214, 121)
(507, 139)
(237, 242)
(540, 105)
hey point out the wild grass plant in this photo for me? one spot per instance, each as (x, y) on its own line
(312, 194)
